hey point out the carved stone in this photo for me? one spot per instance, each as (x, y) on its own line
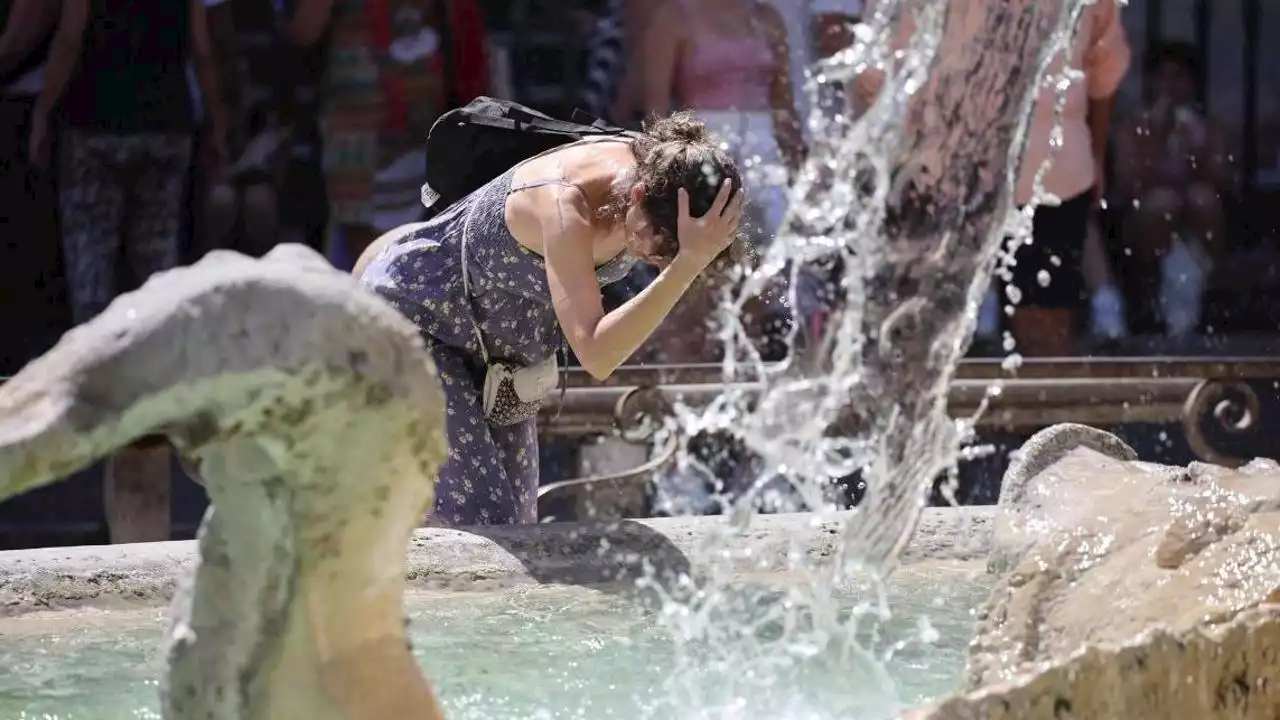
(1016, 530)
(1230, 671)
(314, 416)
(1102, 549)
(1168, 576)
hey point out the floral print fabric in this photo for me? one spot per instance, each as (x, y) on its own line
(491, 475)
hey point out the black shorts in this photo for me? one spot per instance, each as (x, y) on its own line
(1059, 233)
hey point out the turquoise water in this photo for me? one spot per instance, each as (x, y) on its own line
(536, 654)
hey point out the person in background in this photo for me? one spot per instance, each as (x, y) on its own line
(394, 67)
(303, 201)
(1049, 274)
(121, 93)
(27, 201)
(272, 191)
(832, 24)
(818, 283)
(604, 59)
(1173, 167)
(728, 62)
(628, 104)
(119, 89)
(211, 221)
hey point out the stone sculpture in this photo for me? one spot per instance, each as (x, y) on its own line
(1129, 589)
(313, 413)
(1220, 671)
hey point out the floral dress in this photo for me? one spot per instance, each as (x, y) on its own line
(491, 475)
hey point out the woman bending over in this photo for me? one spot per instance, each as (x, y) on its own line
(507, 276)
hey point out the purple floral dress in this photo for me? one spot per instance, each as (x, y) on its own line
(491, 475)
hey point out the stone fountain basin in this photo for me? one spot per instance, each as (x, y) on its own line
(556, 596)
(490, 557)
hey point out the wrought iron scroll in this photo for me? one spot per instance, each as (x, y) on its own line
(1231, 405)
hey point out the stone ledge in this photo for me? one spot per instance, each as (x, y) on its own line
(52, 578)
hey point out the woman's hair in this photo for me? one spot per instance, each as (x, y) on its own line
(677, 152)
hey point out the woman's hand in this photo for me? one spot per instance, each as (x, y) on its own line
(702, 239)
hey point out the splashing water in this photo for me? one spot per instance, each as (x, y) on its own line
(913, 200)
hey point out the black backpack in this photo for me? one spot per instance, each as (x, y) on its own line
(471, 145)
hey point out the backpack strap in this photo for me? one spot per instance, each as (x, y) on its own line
(466, 284)
(559, 181)
(550, 125)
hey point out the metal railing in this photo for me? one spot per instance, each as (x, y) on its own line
(1207, 398)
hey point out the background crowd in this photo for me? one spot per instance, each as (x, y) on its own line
(136, 135)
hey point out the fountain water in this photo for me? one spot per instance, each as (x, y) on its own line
(294, 608)
(914, 199)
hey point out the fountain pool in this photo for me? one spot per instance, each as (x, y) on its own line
(507, 648)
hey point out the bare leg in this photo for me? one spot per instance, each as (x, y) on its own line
(1156, 220)
(1106, 312)
(137, 491)
(1184, 270)
(1204, 218)
(261, 219)
(1044, 332)
(219, 212)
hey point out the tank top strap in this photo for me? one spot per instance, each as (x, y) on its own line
(513, 188)
(543, 183)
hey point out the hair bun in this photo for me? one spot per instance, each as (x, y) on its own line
(681, 126)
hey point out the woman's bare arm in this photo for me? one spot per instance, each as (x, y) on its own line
(206, 67)
(601, 341)
(29, 23)
(661, 52)
(308, 22)
(64, 55)
(786, 119)
(636, 15)
(1130, 165)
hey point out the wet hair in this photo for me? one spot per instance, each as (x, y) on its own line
(1182, 54)
(678, 152)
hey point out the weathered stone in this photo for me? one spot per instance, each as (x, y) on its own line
(1099, 549)
(1224, 672)
(487, 557)
(315, 418)
(1040, 452)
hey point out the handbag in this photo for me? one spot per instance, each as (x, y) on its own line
(512, 392)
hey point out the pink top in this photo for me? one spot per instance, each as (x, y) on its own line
(1102, 53)
(715, 72)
